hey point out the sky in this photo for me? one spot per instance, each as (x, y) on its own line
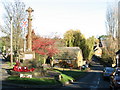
(55, 17)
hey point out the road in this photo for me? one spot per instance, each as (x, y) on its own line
(92, 81)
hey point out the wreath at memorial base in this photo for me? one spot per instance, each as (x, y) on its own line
(19, 68)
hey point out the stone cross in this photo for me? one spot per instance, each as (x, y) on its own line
(29, 37)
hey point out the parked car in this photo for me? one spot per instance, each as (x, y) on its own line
(115, 80)
(107, 71)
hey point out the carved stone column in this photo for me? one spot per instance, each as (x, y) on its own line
(29, 37)
(29, 54)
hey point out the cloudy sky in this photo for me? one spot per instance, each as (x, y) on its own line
(55, 17)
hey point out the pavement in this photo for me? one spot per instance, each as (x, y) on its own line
(3, 67)
(3, 72)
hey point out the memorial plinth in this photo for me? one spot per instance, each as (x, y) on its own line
(29, 55)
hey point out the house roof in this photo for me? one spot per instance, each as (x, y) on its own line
(67, 53)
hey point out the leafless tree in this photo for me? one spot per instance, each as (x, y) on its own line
(16, 10)
(118, 36)
(111, 42)
(112, 20)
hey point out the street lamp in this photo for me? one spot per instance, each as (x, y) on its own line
(117, 62)
(11, 47)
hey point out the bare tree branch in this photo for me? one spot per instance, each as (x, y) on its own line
(17, 11)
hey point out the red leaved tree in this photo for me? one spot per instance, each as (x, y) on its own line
(44, 46)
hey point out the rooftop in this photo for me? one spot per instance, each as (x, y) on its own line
(68, 53)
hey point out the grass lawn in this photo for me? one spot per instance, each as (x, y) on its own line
(74, 74)
(32, 81)
(67, 75)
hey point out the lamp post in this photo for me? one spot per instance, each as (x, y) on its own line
(11, 47)
(117, 61)
(24, 41)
